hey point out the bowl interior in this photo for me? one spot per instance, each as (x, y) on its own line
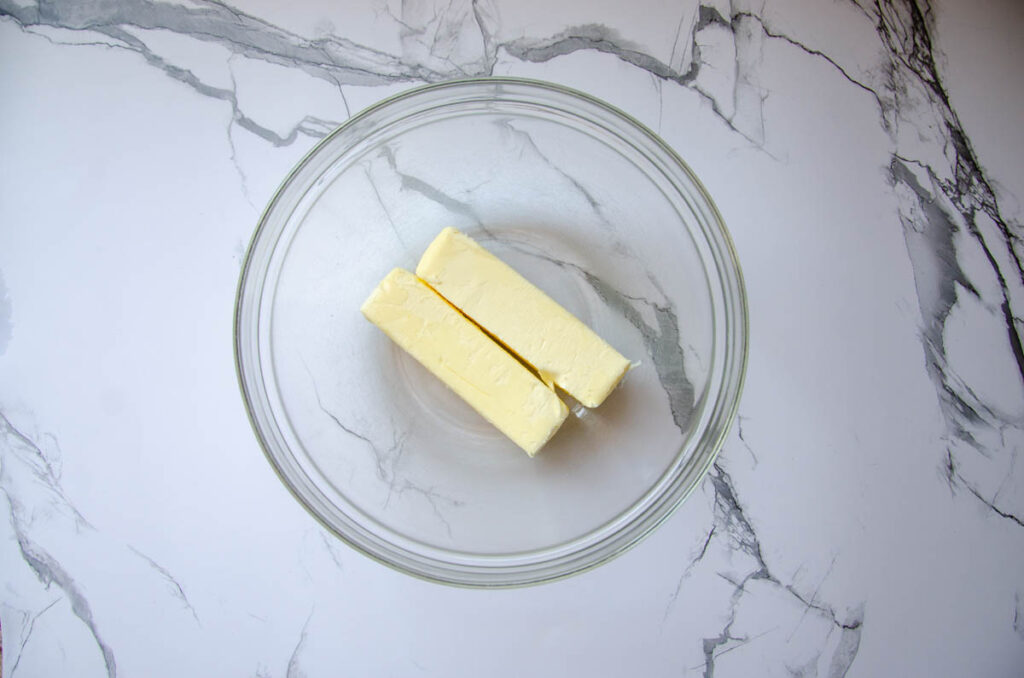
(587, 206)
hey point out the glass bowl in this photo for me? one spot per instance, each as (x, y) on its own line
(589, 205)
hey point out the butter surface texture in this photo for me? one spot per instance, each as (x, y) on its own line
(468, 361)
(554, 342)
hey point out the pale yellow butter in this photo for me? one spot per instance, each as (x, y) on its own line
(560, 348)
(469, 362)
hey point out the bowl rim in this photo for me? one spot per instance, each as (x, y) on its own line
(539, 575)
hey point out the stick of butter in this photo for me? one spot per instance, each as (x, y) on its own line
(469, 362)
(554, 342)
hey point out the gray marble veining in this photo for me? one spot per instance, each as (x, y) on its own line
(24, 462)
(294, 669)
(387, 459)
(731, 523)
(42, 516)
(949, 199)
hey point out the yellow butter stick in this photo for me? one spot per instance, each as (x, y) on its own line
(554, 342)
(469, 362)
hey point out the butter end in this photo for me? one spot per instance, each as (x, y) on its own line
(428, 263)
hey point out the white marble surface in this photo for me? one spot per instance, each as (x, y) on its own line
(866, 517)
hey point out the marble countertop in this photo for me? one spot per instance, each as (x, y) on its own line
(866, 515)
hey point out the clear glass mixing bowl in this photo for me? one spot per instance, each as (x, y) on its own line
(585, 202)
